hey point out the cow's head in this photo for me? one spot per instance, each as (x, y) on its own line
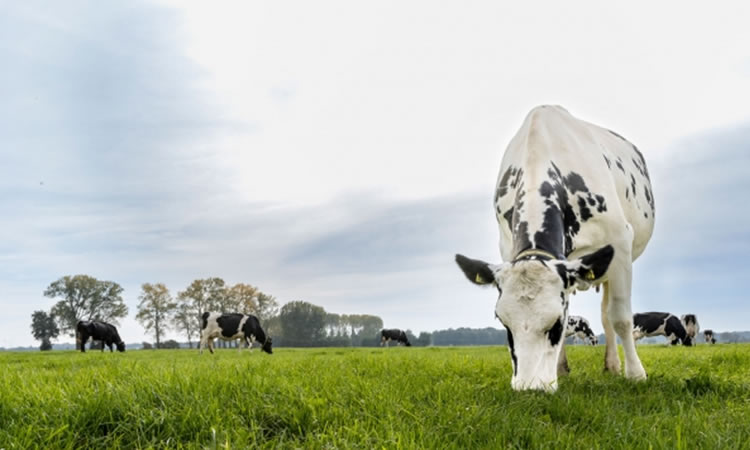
(533, 307)
(120, 346)
(267, 345)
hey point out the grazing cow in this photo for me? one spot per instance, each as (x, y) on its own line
(580, 327)
(386, 336)
(230, 327)
(690, 322)
(98, 331)
(708, 335)
(660, 324)
(575, 208)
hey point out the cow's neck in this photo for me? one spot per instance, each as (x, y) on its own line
(539, 221)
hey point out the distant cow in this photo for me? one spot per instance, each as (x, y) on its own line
(230, 327)
(690, 322)
(708, 335)
(579, 327)
(386, 336)
(660, 324)
(98, 331)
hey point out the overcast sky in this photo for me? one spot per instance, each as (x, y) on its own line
(341, 153)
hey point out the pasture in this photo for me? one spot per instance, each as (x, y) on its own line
(435, 397)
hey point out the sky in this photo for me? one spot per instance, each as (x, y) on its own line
(342, 152)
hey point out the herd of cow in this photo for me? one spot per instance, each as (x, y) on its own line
(575, 208)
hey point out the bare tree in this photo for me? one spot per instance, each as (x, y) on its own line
(156, 309)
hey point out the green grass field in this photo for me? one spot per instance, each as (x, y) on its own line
(457, 397)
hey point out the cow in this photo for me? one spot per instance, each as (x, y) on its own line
(98, 331)
(580, 327)
(708, 335)
(386, 336)
(690, 322)
(660, 324)
(574, 206)
(230, 327)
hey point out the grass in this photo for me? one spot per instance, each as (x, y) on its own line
(457, 397)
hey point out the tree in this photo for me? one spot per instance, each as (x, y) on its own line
(185, 320)
(243, 298)
(302, 324)
(83, 297)
(267, 306)
(156, 309)
(204, 295)
(44, 328)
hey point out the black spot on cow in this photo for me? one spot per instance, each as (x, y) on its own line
(574, 183)
(555, 333)
(546, 189)
(609, 163)
(229, 323)
(619, 136)
(508, 216)
(521, 239)
(512, 351)
(565, 276)
(602, 205)
(632, 183)
(619, 165)
(649, 198)
(502, 187)
(584, 209)
(627, 193)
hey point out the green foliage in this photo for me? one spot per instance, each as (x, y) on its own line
(85, 298)
(302, 323)
(457, 397)
(44, 328)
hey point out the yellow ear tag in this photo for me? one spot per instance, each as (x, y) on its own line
(590, 275)
(479, 279)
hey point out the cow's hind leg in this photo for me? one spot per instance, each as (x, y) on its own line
(620, 315)
(611, 358)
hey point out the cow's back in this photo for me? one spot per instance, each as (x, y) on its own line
(608, 185)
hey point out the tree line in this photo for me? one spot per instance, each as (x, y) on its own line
(295, 324)
(82, 297)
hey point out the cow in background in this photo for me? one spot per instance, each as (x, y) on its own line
(580, 327)
(708, 335)
(690, 322)
(394, 334)
(98, 331)
(660, 324)
(230, 327)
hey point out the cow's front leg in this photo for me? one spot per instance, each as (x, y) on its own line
(620, 315)
(562, 361)
(611, 358)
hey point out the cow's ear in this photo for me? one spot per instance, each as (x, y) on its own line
(587, 270)
(478, 272)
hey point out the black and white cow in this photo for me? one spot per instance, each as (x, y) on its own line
(394, 334)
(98, 331)
(230, 327)
(575, 208)
(580, 327)
(660, 324)
(690, 322)
(708, 335)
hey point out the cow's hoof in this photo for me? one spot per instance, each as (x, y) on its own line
(612, 367)
(637, 374)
